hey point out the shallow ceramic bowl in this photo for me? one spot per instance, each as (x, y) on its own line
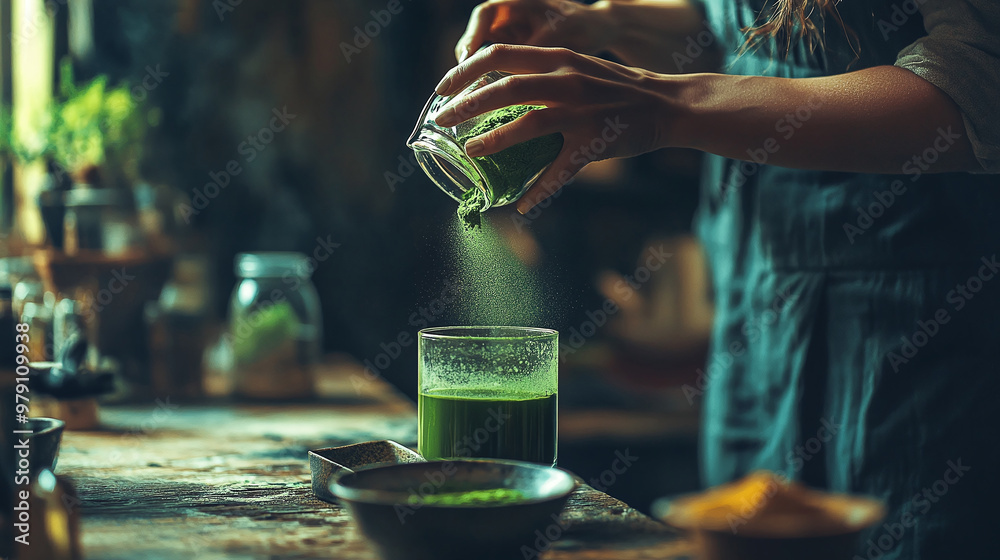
(44, 443)
(378, 502)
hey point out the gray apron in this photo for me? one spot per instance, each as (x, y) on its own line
(857, 339)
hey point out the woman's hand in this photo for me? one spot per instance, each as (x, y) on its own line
(602, 109)
(546, 23)
(652, 34)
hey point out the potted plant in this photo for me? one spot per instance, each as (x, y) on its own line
(90, 136)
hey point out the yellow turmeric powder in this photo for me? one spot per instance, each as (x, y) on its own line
(768, 505)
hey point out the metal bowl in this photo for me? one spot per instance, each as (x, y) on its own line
(44, 441)
(379, 502)
(326, 463)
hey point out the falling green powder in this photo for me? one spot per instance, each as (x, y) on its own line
(470, 208)
(498, 287)
(507, 170)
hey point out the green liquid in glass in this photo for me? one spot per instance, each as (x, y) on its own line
(481, 423)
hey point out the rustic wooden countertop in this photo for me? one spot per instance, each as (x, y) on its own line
(170, 481)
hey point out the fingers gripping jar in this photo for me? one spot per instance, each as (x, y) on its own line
(487, 181)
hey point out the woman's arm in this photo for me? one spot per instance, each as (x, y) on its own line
(652, 34)
(877, 120)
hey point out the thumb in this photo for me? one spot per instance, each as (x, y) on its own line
(482, 19)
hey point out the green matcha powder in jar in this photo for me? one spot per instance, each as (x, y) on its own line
(479, 183)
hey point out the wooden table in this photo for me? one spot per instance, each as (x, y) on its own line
(171, 481)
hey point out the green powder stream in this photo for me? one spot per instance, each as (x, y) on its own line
(469, 210)
(507, 170)
(498, 287)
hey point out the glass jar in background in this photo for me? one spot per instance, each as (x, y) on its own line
(178, 330)
(275, 326)
(38, 317)
(19, 273)
(33, 305)
(8, 321)
(67, 321)
(30, 290)
(101, 220)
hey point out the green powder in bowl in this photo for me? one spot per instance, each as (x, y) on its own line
(470, 498)
(508, 170)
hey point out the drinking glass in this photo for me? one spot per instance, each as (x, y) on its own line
(488, 392)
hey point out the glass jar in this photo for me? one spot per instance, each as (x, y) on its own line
(8, 322)
(275, 326)
(38, 317)
(501, 178)
(68, 320)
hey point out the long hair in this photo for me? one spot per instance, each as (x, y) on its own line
(795, 20)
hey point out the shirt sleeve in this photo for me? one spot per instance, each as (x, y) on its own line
(961, 55)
